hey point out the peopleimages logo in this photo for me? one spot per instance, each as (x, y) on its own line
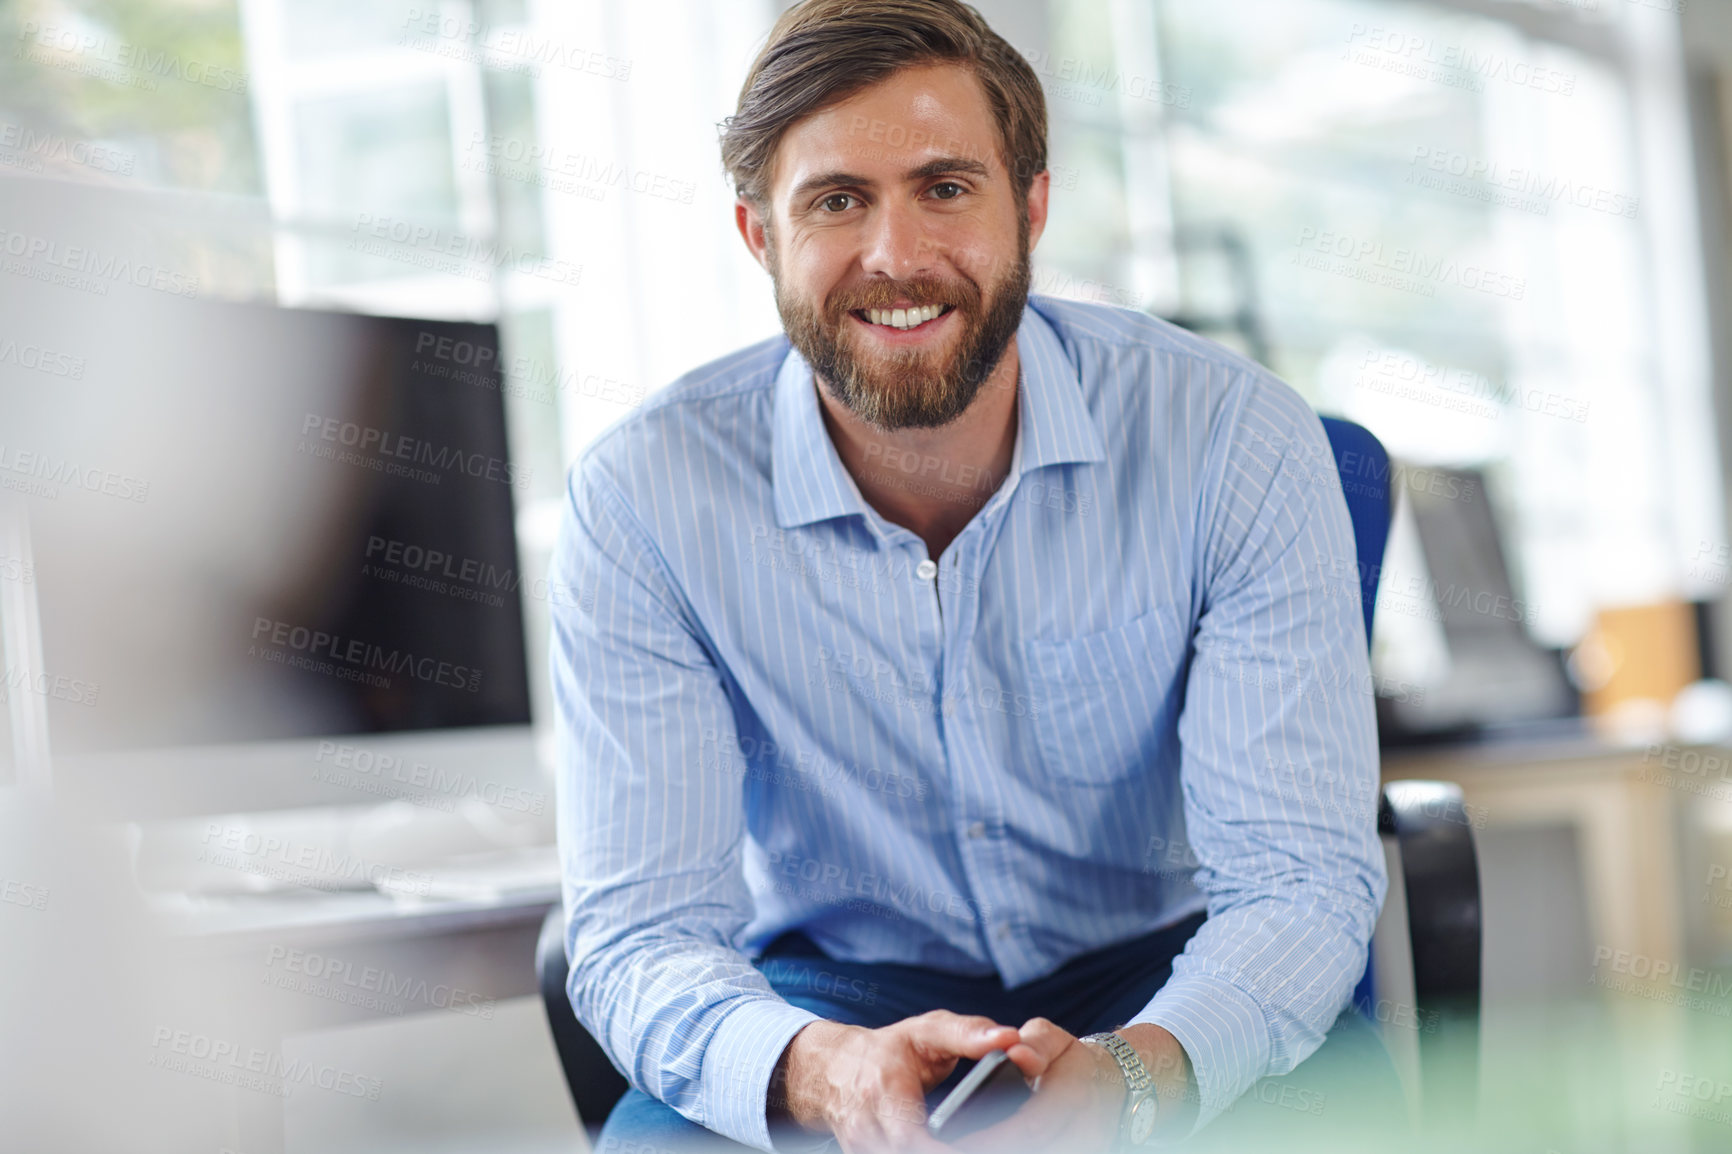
(1528, 188)
(474, 257)
(359, 764)
(1462, 65)
(1657, 971)
(43, 474)
(19, 893)
(116, 60)
(372, 987)
(60, 687)
(306, 864)
(300, 647)
(398, 454)
(1361, 258)
(1399, 374)
(99, 269)
(40, 359)
(831, 882)
(37, 146)
(252, 1068)
(563, 170)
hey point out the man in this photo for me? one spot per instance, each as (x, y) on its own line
(950, 660)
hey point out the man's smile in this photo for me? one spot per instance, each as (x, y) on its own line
(904, 325)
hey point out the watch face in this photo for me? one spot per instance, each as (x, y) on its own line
(1143, 1120)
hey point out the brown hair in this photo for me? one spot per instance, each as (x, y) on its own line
(821, 52)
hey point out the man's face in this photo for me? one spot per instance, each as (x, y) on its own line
(897, 201)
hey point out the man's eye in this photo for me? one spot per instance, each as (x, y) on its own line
(835, 202)
(955, 190)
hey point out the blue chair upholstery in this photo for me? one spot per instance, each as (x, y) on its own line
(1366, 484)
(1363, 465)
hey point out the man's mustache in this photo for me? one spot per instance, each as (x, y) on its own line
(891, 294)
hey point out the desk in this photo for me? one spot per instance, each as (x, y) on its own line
(279, 964)
(1627, 822)
(1640, 819)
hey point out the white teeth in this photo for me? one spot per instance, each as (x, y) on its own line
(903, 318)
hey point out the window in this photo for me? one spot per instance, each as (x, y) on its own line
(1461, 230)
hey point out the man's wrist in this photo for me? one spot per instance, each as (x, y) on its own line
(1134, 1102)
(796, 1106)
(1170, 1067)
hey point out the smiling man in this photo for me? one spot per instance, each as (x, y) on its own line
(951, 680)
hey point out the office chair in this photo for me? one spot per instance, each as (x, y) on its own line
(1430, 973)
(1433, 918)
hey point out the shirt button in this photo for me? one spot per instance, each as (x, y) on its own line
(950, 707)
(926, 570)
(1003, 931)
(976, 829)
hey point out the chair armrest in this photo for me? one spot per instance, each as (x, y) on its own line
(1432, 831)
(1432, 828)
(595, 1085)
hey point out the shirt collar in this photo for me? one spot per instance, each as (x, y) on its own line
(1054, 425)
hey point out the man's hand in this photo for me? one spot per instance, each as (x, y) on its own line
(1079, 1091)
(868, 1087)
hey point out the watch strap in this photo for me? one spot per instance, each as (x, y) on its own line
(1139, 1084)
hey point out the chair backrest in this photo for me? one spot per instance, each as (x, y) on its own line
(1430, 825)
(1363, 465)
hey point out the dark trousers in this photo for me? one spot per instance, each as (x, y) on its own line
(1347, 1089)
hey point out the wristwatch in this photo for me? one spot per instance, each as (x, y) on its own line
(1137, 1122)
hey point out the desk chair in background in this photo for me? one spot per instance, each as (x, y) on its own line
(1422, 980)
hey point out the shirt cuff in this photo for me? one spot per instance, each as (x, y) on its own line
(738, 1061)
(1223, 1032)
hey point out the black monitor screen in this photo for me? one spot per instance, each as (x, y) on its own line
(254, 523)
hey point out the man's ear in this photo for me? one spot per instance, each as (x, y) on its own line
(751, 225)
(1038, 190)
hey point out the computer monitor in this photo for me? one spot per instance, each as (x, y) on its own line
(260, 536)
(1499, 682)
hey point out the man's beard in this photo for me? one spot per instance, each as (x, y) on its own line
(909, 388)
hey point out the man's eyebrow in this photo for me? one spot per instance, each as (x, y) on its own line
(946, 165)
(938, 166)
(827, 180)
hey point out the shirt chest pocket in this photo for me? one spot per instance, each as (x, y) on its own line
(1104, 701)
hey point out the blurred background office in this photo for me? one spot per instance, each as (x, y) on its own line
(285, 278)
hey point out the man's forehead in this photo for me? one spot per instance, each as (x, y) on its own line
(893, 128)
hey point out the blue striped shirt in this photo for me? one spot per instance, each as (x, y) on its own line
(1122, 695)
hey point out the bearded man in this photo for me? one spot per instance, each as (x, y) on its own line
(949, 679)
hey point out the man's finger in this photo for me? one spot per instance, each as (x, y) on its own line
(1030, 1061)
(966, 1036)
(1039, 1043)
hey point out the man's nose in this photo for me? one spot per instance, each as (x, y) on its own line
(898, 244)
